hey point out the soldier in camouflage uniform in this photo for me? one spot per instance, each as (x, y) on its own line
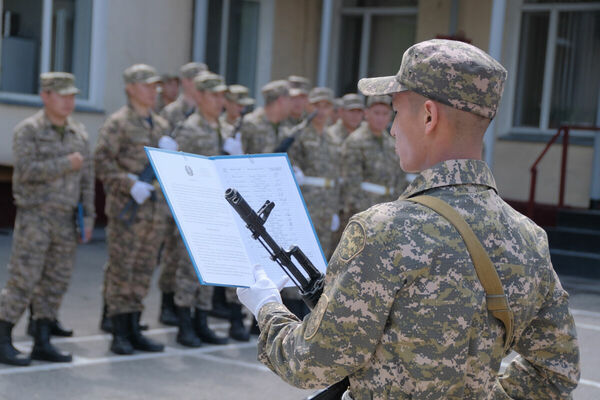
(299, 88)
(185, 105)
(168, 91)
(237, 105)
(369, 163)
(136, 211)
(351, 115)
(262, 129)
(52, 174)
(403, 313)
(199, 134)
(176, 113)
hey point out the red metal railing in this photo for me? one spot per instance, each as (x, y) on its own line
(563, 165)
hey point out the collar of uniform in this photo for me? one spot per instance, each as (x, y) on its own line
(451, 172)
(48, 124)
(203, 122)
(133, 115)
(185, 106)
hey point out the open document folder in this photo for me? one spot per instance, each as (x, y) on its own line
(219, 244)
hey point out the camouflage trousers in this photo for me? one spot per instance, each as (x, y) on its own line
(188, 290)
(40, 264)
(322, 203)
(169, 258)
(132, 259)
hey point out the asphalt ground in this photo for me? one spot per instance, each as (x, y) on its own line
(209, 372)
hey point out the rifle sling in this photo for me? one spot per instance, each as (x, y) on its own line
(497, 302)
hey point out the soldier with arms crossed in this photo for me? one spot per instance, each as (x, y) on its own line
(403, 312)
(53, 172)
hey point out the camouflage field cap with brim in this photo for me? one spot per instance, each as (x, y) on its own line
(382, 99)
(454, 73)
(320, 94)
(168, 76)
(209, 82)
(297, 92)
(274, 90)
(63, 83)
(299, 82)
(239, 95)
(352, 101)
(141, 73)
(191, 69)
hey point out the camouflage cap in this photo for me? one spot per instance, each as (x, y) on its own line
(319, 94)
(191, 69)
(454, 73)
(167, 76)
(209, 82)
(338, 103)
(298, 85)
(141, 73)
(274, 90)
(239, 94)
(62, 83)
(352, 101)
(383, 99)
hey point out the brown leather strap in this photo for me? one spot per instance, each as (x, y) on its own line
(497, 303)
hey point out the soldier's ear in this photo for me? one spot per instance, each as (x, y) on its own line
(430, 116)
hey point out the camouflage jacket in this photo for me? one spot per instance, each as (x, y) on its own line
(227, 128)
(404, 315)
(177, 112)
(197, 136)
(339, 130)
(42, 172)
(259, 135)
(372, 160)
(120, 152)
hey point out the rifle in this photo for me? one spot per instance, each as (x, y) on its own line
(310, 281)
(129, 212)
(286, 143)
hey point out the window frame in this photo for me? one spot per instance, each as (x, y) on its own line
(94, 102)
(543, 128)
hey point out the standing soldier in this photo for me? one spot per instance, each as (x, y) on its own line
(299, 87)
(175, 113)
(262, 129)
(167, 91)
(315, 156)
(351, 115)
(369, 161)
(52, 174)
(237, 105)
(405, 311)
(136, 211)
(199, 134)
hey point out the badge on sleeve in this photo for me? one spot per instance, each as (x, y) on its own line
(352, 242)
(316, 316)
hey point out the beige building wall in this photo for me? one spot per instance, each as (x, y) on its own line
(433, 18)
(155, 32)
(514, 160)
(296, 38)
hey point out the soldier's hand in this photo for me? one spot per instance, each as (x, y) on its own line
(76, 160)
(263, 291)
(233, 146)
(141, 191)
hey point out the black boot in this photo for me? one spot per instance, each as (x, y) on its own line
(121, 332)
(42, 348)
(203, 331)
(186, 336)
(139, 341)
(168, 314)
(106, 324)
(56, 328)
(237, 330)
(220, 307)
(8, 354)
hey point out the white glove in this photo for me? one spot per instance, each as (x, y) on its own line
(299, 175)
(167, 143)
(140, 191)
(335, 223)
(233, 146)
(263, 291)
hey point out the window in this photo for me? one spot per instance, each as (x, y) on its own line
(47, 35)
(232, 41)
(557, 73)
(364, 48)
